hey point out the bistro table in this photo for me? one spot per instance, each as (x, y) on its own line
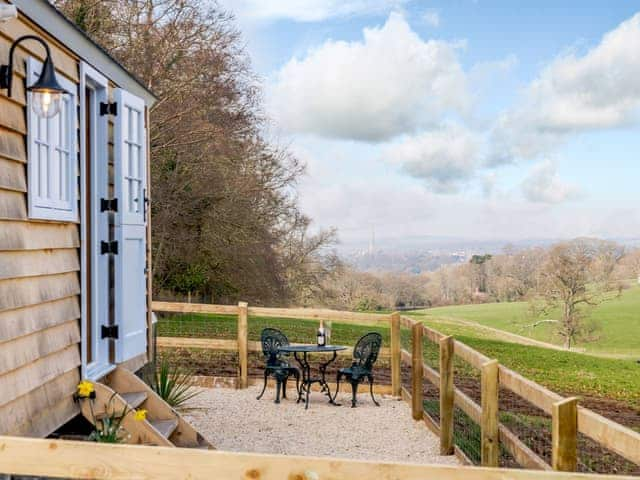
(300, 353)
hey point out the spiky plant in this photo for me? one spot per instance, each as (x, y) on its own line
(173, 384)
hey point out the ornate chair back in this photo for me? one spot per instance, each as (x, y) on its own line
(272, 339)
(366, 350)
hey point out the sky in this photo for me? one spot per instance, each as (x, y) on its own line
(477, 119)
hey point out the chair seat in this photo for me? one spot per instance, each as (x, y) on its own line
(355, 372)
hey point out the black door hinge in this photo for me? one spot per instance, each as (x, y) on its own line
(108, 204)
(108, 108)
(110, 331)
(109, 247)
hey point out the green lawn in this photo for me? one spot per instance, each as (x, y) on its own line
(619, 320)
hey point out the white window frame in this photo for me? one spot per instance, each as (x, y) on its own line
(43, 207)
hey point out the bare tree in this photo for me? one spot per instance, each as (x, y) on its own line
(575, 277)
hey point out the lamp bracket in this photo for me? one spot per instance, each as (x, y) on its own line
(108, 108)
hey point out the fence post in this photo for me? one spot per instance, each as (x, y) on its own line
(396, 359)
(564, 431)
(490, 446)
(446, 396)
(243, 343)
(416, 372)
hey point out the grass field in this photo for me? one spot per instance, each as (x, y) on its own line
(619, 320)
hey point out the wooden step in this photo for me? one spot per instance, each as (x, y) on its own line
(165, 427)
(134, 399)
(166, 421)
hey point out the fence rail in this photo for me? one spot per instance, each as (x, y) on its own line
(567, 420)
(86, 460)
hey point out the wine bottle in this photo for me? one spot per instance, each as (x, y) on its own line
(322, 339)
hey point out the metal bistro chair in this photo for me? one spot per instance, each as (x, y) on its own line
(365, 355)
(277, 367)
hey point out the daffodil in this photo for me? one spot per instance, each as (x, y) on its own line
(85, 389)
(140, 415)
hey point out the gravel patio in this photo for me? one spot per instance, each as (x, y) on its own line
(234, 420)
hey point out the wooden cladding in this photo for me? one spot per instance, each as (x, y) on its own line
(39, 265)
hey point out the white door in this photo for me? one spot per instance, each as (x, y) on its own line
(94, 153)
(130, 226)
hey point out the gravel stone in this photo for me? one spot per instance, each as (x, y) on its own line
(233, 420)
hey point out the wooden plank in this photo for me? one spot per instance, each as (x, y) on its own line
(185, 435)
(37, 236)
(47, 421)
(407, 322)
(243, 347)
(64, 60)
(12, 175)
(396, 359)
(24, 350)
(529, 390)
(523, 455)
(21, 381)
(446, 396)
(13, 205)
(13, 146)
(29, 263)
(417, 404)
(206, 343)
(609, 434)
(490, 443)
(469, 355)
(564, 433)
(17, 417)
(12, 116)
(22, 292)
(320, 314)
(178, 307)
(106, 402)
(433, 335)
(25, 321)
(88, 460)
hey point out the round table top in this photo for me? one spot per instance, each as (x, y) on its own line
(312, 348)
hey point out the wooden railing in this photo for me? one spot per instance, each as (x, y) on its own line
(567, 417)
(87, 460)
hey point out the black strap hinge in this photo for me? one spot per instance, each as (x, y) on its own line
(108, 108)
(109, 247)
(110, 331)
(108, 204)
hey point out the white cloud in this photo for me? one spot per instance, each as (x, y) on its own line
(308, 10)
(431, 17)
(543, 185)
(443, 158)
(597, 90)
(392, 82)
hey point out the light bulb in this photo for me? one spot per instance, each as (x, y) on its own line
(46, 104)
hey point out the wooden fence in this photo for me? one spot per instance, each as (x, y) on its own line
(86, 460)
(567, 417)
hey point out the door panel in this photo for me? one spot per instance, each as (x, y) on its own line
(130, 226)
(94, 148)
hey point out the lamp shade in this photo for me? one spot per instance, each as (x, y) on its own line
(46, 92)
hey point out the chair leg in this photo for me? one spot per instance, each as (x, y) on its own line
(266, 375)
(354, 392)
(371, 390)
(278, 385)
(284, 386)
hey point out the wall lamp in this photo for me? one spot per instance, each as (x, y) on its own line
(46, 92)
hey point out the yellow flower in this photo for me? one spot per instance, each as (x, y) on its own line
(85, 389)
(141, 414)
